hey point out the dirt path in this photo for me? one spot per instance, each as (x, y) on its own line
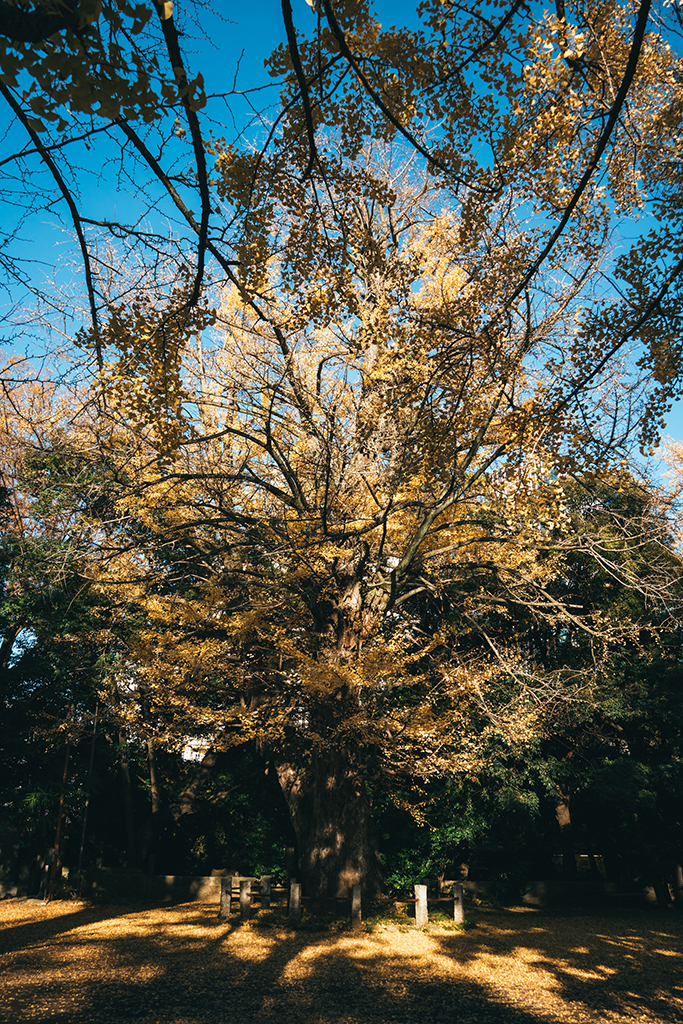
(72, 963)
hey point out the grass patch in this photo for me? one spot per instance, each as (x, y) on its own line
(395, 915)
(445, 922)
(378, 917)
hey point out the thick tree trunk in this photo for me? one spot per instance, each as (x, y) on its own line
(564, 820)
(56, 860)
(678, 886)
(155, 795)
(124, 769)
(335, 832)
(327, 799)
(149, 843)
(655, 866)
(11, 634)
(188, 798)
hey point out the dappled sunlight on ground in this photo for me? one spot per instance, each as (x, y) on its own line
(71, 963)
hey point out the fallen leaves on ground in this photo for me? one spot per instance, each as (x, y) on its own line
(73, 962)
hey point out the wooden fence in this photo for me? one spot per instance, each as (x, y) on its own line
(244, 895)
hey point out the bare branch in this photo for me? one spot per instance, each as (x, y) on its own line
(73, 210)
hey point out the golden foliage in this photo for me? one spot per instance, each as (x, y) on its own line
(340, 492)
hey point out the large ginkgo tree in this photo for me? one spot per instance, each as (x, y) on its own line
(341, 422)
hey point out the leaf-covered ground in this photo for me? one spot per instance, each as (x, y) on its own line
(73, 962)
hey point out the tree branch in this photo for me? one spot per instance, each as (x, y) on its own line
(377, 99)
(303, 86)
(165, 12)
(634, 54)
(73, 210)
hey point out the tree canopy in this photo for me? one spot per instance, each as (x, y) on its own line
(344, 455)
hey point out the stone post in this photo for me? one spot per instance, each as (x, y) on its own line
(265, 890)
(245, 899)
(356, 922)
(421, 912)
(458, 906)
(295, 902)
(226, 897)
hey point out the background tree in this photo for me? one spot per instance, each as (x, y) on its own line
(67, 687)
(48, 625)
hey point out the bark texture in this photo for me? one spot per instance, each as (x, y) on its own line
(188, 798)
(335, 832)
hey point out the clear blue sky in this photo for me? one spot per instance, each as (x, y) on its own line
(246, 34)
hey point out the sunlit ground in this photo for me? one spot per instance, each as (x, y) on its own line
(72, 962)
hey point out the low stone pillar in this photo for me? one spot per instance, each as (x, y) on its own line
(245, 899)
(265, 890)
(356, 921)
(226, 897)
(458, 905)
(295, 902)
(421, 911)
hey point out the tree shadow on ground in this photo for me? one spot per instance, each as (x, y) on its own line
(180, 965)
(625, 963)
(28, 925)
